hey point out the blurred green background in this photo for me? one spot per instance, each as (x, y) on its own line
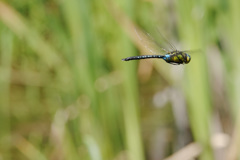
(66, 94)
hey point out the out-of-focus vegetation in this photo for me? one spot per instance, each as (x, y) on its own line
(66, 94)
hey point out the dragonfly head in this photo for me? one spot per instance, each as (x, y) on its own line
(187, 59)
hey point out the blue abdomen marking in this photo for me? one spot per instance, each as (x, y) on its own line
(166, 57)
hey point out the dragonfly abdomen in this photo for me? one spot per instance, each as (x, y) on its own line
(143, 57)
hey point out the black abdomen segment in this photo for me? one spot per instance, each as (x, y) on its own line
(142, 57)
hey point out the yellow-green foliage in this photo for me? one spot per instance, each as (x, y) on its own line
(66, 94)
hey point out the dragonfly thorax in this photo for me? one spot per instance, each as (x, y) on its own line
(177, 57)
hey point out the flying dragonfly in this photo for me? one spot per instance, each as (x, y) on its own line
(174, 56)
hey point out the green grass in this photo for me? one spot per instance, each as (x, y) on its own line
(66, 94)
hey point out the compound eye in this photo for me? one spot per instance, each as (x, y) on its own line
(188, 59)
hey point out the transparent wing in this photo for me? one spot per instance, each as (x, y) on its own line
(149, 43)
(173, 48)
(192, 51)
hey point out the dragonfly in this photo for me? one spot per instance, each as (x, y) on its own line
(175, 57)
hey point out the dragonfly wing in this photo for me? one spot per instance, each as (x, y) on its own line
(173, 48)
(149, 43)
(192, 51)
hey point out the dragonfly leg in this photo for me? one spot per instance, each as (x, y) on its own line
(174, 63)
